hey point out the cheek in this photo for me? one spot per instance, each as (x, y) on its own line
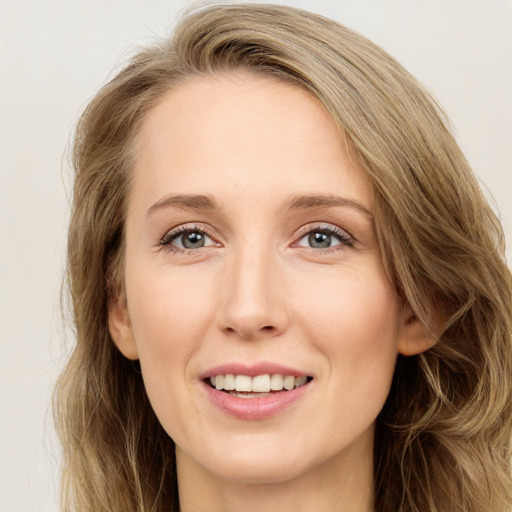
(351, 308)
(169, 317)
(168, 310)
(354, 322)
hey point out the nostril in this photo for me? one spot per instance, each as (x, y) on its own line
(251, 330)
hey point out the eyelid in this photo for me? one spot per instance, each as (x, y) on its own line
(173, 233)
(345, 237)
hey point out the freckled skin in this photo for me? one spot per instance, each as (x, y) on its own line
(256, 291)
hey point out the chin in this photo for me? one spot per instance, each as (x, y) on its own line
(257, 471)
(261, 459)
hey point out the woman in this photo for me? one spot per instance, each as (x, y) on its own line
(289, 292)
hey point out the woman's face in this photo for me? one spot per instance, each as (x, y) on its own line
(250, 251)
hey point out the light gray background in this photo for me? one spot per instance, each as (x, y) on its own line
(54, 54)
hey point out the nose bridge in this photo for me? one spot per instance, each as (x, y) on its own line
(251, 305)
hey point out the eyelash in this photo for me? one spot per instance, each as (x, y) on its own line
(345, 239)
(174, 234)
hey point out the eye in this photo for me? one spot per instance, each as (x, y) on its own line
(187, 239)
(325, 238)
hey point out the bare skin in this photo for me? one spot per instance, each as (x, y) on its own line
(249, 241)
(329, 487)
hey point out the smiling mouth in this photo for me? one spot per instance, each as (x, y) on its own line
(244, 386)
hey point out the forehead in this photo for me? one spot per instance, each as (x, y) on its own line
(214, 134)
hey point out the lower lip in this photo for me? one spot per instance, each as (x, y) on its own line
(255, 408)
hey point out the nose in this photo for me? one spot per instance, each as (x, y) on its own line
(252, 300)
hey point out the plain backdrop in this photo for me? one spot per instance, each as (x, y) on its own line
(54, 54)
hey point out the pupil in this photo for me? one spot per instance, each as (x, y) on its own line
(320, 240)
(193, 240)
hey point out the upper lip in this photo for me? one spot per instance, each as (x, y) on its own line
(252, 370)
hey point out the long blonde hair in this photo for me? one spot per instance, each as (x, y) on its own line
(443, 439)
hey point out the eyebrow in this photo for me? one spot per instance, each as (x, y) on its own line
(299, 202)
(190, 201)
(303, 202)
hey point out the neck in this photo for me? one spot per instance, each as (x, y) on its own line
(341, 484)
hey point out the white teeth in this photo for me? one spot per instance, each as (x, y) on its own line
(259, 384)
(219, 381)
(299, 381)
(229, 382)
(243, 383)
(289, 382)
(276, 382)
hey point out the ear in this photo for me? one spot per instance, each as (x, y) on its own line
(120, 326)
(415, 336)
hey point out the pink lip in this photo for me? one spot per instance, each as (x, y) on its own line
(252, 370)
(253, 408)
